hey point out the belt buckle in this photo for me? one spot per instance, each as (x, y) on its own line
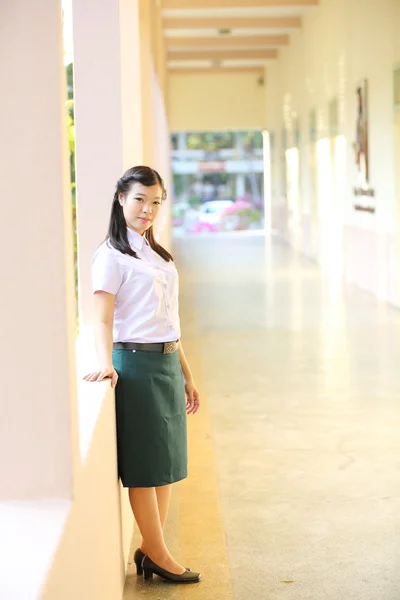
(169, 347)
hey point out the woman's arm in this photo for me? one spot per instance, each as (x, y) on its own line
(104, 314)
(192, 393)
(187, 373)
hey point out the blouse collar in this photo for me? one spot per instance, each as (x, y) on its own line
(136, 239)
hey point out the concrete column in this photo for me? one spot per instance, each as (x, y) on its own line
(240, 185)
(98, 130)
(162, 162)
(109, 121)
(267, 183)
(239, 145)
(130, 72)
(115, 108)
(160, 49)
(38, 429)
(147, 74)
(182, 141)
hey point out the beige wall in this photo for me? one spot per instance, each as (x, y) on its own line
(200, 102)
(37, 445)
(162, 162)
(90, 560)
(396, 128)
(341, 43)
(61, 504)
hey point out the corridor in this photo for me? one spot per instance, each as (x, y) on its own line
(294, 485)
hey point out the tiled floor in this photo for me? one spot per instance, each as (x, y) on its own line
(294, 487)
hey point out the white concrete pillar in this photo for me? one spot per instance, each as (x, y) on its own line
(147, 72)
(132, 103)
(37, 319)
(108, 123)
(182, 141)
(240, 185)
(239, 145)
(162, 163)
(160, 49)
(267, 182)
(115, 122)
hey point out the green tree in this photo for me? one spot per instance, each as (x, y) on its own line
(70, 81)
(71, 141)
(210, 141)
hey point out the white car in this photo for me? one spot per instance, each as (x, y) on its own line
(211, 212)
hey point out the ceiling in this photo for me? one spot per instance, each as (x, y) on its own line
(223, 35)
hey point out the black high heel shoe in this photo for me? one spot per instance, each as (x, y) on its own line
(150, 568)
(138, 559)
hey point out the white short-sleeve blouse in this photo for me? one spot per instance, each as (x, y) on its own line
(146, 291)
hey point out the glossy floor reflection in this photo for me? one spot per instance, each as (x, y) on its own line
(294, 487)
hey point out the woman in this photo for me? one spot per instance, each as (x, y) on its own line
(135, 285)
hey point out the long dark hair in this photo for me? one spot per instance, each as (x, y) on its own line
(117, 235)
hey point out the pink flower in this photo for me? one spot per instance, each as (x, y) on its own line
(237, 207)
(200, 227)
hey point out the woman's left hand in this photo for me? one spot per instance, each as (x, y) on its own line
(192, 398)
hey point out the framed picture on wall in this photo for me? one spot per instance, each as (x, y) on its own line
(361, 143)
(363, 190)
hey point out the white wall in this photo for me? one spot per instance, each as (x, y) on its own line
(162, 161)
(37, 317)
(216, 101)
(90, 560)
(341, 42)
(61, 510)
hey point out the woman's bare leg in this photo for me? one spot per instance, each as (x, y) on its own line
(163, 494)
(144, 503)
(163, 499)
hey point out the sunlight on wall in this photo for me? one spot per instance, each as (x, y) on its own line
(267, 181)
(67, 31)
(339, 170)
(325, 178)
(293, 194)
(331, 161)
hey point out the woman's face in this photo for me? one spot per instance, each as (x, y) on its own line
(141, 206)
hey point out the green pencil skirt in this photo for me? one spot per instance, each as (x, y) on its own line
(150, 405)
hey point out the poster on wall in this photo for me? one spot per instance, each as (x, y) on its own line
(362, 190)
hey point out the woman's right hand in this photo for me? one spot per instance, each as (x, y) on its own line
(107, 373)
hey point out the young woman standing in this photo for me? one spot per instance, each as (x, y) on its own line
(135, 285)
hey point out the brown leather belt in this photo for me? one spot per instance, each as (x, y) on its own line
(163, 347)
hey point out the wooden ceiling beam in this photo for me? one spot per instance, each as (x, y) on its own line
(193, 4)
(232, 23)
(226, 41)
(224, 55)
